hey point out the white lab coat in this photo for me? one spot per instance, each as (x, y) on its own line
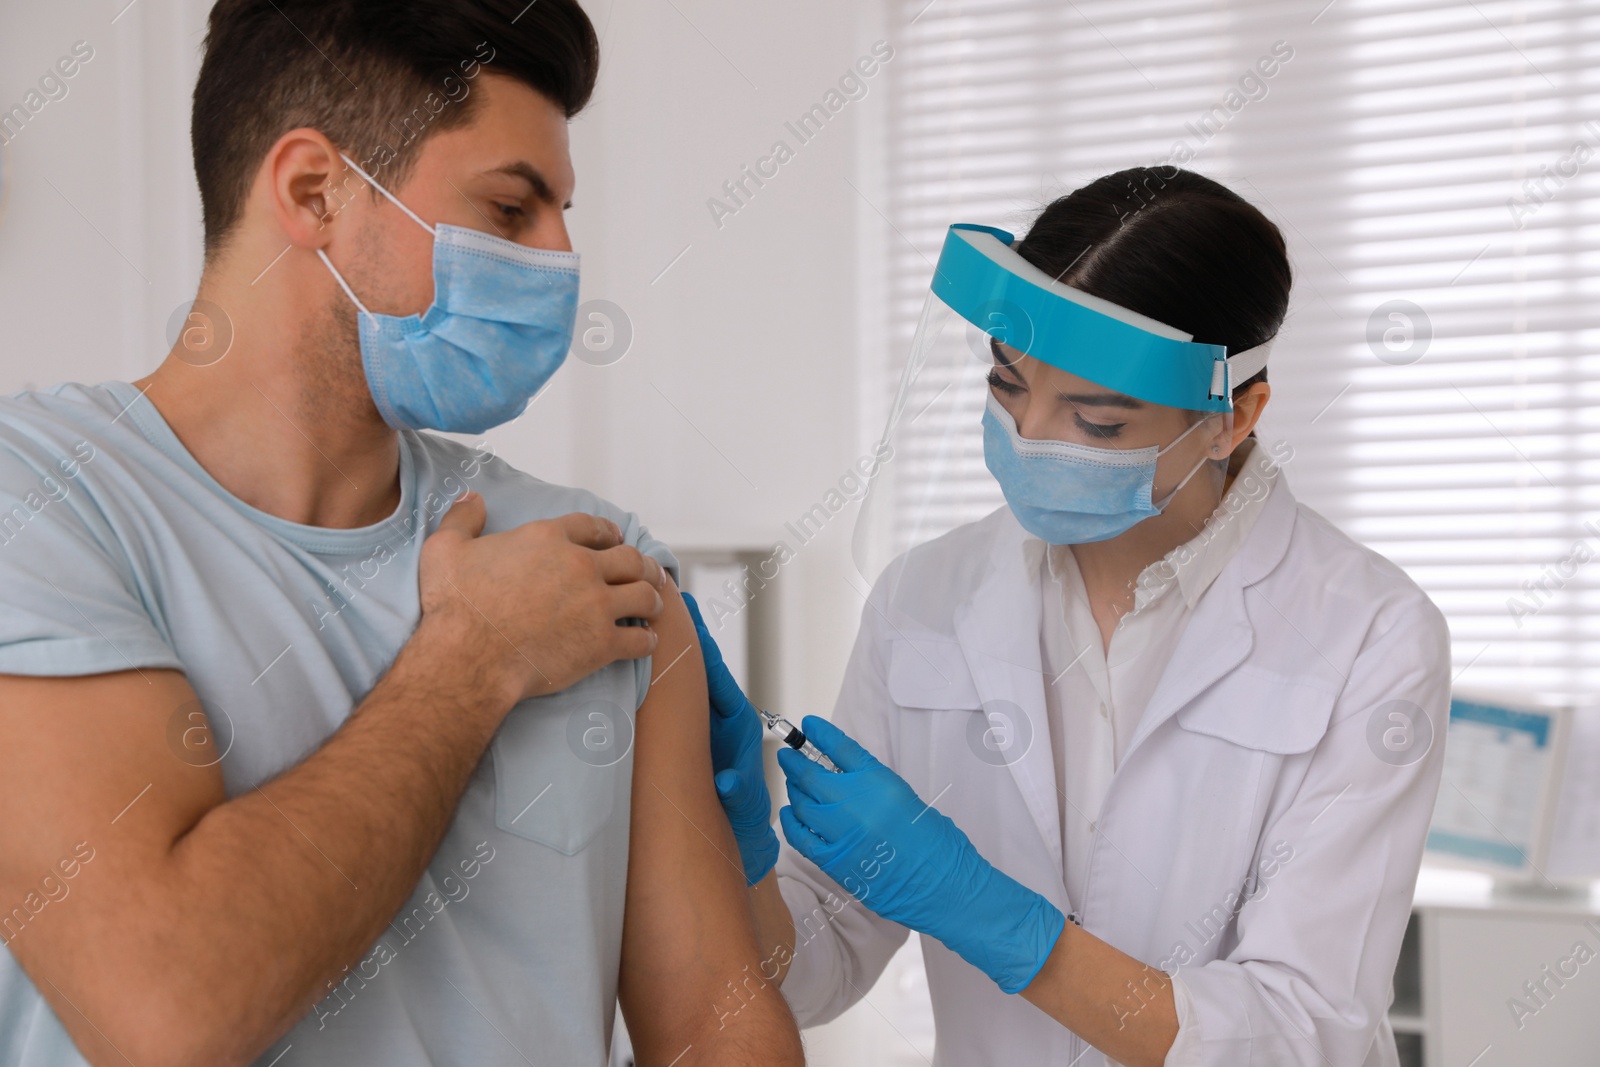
(1260, 742)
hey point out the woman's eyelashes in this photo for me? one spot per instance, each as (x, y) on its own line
(1098, 430)
(1000, 384)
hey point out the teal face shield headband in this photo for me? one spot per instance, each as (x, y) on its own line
(983, 279)
(930, 460)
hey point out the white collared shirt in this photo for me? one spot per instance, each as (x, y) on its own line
(1095, 695)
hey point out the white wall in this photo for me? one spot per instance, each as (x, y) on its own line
(739, 403)
(100, 240)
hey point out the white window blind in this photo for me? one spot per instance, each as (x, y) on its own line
(1433, 167)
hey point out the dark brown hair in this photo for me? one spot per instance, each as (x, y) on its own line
(366, 73)
(1173, 245)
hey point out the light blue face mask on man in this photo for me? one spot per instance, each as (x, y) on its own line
(499, 327)
(1071, 494)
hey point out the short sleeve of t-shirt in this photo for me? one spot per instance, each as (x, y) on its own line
(638, 535)
(634, 533)
(69, 604)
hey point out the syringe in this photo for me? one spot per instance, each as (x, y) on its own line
(790, 734)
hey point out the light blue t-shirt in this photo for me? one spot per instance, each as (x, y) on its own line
(118, 551)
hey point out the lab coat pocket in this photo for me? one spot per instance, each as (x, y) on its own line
(1231, 746)
(930, 672)
(950, 733)
(1263, 710)
(558, 759)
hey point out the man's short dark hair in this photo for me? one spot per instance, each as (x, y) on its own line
(377, 77)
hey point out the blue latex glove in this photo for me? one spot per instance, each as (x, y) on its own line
(868, 830)
(736, 759)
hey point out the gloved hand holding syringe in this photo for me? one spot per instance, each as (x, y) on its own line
(857, 817)
(790, 734)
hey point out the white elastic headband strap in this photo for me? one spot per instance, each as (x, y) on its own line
(1242, 366)
(392, 198)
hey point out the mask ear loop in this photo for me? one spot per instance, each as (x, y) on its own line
(393, 200)
(1193, 427)
(326, 262)
(1192, 470)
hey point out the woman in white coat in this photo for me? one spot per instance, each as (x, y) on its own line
(1148, 756)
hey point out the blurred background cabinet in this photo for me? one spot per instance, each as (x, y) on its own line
(1497, 981)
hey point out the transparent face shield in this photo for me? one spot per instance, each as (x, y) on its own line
(1082, 416)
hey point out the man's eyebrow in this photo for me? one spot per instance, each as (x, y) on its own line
(527, 172)
(1102, 400)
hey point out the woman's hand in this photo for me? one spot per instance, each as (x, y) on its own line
(736, 759)
(870, 832)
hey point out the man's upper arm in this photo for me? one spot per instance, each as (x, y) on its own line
(88, 773)
(691, 972)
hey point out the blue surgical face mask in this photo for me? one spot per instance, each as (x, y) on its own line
(1072, 494)
(499, 326)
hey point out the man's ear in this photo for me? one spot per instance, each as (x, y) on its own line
(309, 186)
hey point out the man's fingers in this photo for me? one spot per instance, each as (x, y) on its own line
(636, 600)
(465, 517)
(624, 564)
(590, 531)
(632, 642)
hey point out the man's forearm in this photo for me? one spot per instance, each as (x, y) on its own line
(306, 870)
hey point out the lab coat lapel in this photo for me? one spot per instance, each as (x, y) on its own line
(1218, 636)
(998, 630)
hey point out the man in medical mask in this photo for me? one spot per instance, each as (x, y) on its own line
(344, 737)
